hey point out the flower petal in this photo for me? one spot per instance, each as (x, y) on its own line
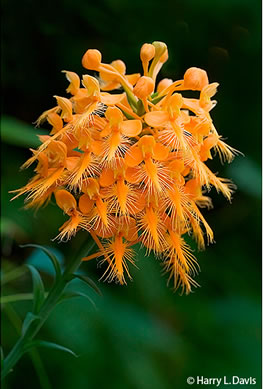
(65, 201)
(133, 157)
(71, 162)
(132, 175)
(85, 204)
(131, 127)
(132, 78)
(156, 118)
(106, 177)
(97, 147)
(108, 99)
(160, 152)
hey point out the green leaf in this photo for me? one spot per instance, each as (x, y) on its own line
(38, 289)
(50, 255)
(29, 319)
(140, 109)
(43, 343)
(88, 281)
(71, 294)
(16, 297)
(2, 357)
(127, 115)
(18, 133)
(156, 99)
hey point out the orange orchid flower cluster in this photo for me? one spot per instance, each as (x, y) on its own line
(129, 166)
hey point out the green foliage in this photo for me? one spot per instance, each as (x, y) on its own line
(89, 282)
(50, 345)
(68, 295)
(38, 289)
(51, 256)
(18, 133)
(43, 305)
(29, 319)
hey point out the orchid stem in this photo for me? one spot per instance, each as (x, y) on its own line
(48, 305)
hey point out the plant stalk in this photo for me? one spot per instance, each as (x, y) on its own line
(48, 305)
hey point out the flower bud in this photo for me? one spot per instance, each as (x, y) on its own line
(160, 48)
(91, 59)
(144, 87)
(163, 84)
(195, 79)
(119, 65)
(164, 57)
(112, 75)
(147, 52)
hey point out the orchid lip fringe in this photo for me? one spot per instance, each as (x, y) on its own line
(129, 166)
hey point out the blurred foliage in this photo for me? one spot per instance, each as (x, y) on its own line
(142, 335)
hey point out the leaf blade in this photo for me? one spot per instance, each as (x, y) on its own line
(38, 289)
(29, 319)
(50, 255)
(71, 294)
(44, 343)
(88, 281)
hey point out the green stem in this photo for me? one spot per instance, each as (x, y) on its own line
(34, 354)
(16, 297)
(47, 307)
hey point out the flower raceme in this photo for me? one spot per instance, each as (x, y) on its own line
(129, 166)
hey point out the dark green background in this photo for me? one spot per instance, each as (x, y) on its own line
(142, 336)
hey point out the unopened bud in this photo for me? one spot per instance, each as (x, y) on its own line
(91, 59)
(195, 79)
(147, 52)
(164, 57)
(119, 65)
(160, 48)
(163, 84)
(144, 87)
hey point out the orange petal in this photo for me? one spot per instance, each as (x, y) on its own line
(177, 165)
(129, 229)
(133, 157)
(193, 187)
(56, 122)
(132, 78)
(106, 177)
(43, 138)
(114, 115)
(90, 187)
(85, 204)
(110, 86)
(156, 118)
(71, 162)
(106, 131)
(66, 108)
(131, 127)
(132, 175)
(160, 152)
(65, 201)
(74, 80)
(139, 205)
(96, 147)
(108, 99)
